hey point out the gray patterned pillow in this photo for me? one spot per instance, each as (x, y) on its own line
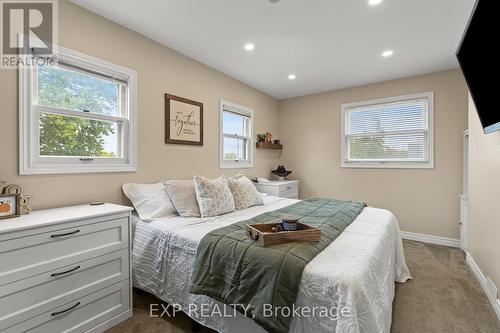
(244, 193)
(214, 196)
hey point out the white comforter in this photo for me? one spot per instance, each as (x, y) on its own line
(357, 271)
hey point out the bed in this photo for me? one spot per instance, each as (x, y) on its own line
(356, 272)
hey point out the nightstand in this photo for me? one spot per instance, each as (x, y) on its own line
(284, 189)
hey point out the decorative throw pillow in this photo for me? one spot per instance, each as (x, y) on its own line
(244, 193)
(183, 196)
(149, 200)
(214, 196)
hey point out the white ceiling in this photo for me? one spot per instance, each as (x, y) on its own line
(328, 44)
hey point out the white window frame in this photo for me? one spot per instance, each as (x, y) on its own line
(30, 161)
(427, 164)
(244, 111)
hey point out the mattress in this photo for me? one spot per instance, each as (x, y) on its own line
(355, 273)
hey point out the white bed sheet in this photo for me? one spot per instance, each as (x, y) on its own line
(357, 271)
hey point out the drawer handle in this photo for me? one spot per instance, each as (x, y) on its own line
(65, 234)
(66, 272)
(64, 311)
(288, 187)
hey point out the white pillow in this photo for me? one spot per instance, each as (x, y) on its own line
(149, 200)
(214, 196)
(244, 193)
(183, 196)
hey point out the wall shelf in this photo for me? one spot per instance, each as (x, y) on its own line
(265, 145)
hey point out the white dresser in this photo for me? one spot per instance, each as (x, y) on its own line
(66, 269)
(284, 189)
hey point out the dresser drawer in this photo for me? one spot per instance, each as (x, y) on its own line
(289, 191)
(32, 296)
(58, 246)
(81, 314)
(283, 189)
(271, 190)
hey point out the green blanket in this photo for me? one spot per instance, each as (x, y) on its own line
(232, 268)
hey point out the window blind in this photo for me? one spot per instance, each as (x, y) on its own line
(90, 69)
(388, 132)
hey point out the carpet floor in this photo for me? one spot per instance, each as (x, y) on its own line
(442, 297)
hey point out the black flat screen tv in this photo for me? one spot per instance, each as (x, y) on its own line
(479, 60)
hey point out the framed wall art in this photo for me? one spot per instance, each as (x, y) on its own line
(183, 121)
(9, 206)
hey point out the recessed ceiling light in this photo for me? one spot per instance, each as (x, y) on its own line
(374, 2)
(292, 77)
(387, 53)
(249, 47)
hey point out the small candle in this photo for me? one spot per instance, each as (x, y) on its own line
(289, 223)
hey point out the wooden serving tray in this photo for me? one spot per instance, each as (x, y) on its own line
(262, 234)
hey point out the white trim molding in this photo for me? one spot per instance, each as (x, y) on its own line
(489, 289)
(244, 111)
(428, 163)
(30, 161)
(483, 281)
(431, 239)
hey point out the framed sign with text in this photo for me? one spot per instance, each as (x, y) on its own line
(183, 121)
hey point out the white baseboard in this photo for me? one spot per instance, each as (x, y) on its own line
(430, 239)
(495, 302)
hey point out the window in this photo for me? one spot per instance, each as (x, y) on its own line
(77, 115)
(236, 123)
(393, 132)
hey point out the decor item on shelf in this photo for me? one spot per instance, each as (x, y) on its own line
(183, 121)
(265, 141)
(269, 137)
(13, 189)
(9, 206)
(261, 137)
(25, 204)
(281, 172)
(24, 201)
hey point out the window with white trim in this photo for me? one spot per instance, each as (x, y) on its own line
(394, 132)
(236, 123)
(77, 116)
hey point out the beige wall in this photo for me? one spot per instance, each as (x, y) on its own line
(484, 197)
(424, 201)
(160, 70)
